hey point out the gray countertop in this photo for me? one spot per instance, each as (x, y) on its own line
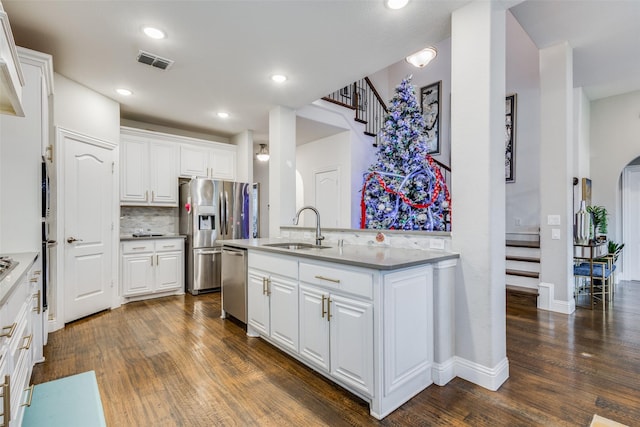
(125, 237)
(25, 261)
(369, 256)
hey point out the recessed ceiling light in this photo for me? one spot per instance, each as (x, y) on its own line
(396, 4)
(279, 78)
(154, 33)
(124, 92)
(223, 115)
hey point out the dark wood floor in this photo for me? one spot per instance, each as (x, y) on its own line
(174, 362)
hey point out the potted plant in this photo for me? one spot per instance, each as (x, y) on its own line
(599, 219)
(615, 249)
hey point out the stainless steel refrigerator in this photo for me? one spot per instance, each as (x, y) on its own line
(210, 211)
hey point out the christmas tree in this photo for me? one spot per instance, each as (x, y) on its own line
(404, 189)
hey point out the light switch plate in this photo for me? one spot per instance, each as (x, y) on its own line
(553, 219)
(555, 234)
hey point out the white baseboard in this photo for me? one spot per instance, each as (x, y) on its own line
(546, 301)
(442, 373)
(489, 378)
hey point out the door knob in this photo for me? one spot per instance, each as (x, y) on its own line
(73, 239)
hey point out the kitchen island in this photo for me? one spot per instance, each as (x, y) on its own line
(374, 319)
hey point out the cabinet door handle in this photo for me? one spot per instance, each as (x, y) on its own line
(151, 260)
(6, 399)
(157, 259)
(28, 339)
(11, 329)
(146, 195)
(264, 286)
(37, 296)
(328, 309)
(269, 286)
(153, 195)
(323, 311)
(30, 398)
(328, 279)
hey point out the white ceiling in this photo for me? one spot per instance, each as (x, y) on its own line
(226, 51)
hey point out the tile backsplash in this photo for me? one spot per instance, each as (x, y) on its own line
(391, 238)
(155, 219)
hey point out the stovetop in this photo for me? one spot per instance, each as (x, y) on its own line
(6, 265)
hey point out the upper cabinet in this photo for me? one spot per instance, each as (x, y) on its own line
(148, 171)
(11, 79)
(152, 162)
(217, 162)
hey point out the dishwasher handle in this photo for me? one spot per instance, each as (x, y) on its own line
(233, 252)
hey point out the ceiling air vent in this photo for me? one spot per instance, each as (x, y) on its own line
(154, 60)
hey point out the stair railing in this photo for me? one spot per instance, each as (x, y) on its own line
(362, 97)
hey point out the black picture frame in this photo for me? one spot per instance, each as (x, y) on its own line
(430, 102)
(510, 138)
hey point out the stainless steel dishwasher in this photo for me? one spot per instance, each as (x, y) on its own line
(234, 283)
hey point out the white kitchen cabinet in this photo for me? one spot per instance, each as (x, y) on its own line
(209, 162)
(20, 337)
(272, 299)
(152, 267)
(368, 330)
(336, 328)
(12, 80)
(148, 171)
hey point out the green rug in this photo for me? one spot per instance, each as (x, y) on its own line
(66, 402)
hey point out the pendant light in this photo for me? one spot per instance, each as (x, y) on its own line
(263, 153)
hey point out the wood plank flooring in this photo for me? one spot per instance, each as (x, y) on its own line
(174, 362)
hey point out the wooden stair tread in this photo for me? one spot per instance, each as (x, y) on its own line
(533, 274)
(522, 258)
(522, 290)
(523, 243)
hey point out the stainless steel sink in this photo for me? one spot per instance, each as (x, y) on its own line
(295, 245)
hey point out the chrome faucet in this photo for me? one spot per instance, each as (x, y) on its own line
(319, 236)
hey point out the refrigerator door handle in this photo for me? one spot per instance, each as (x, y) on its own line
(220, 213)
(226, 213)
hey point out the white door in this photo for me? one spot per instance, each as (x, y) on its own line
(352, 342)
(314, 326)
(630, 223)
(284, 312)
(257, 302)
(327, 189)
(88, 221)
(169, 271)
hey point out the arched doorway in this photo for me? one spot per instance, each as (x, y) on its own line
(630, 225)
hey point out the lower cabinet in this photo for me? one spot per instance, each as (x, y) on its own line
(272, 302)
(370, 331)
(21, 340)
(152, 266)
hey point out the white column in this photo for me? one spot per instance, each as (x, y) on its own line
(478, 191)
(244, 160)
(556, 188)
(444, 279)
(282, 168)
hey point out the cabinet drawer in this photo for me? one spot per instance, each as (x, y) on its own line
(136, 246)
(354, 282)
(282, 265)
(169, 245)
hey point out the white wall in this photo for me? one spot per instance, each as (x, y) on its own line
(261, 176)
(82, 110)
(320, 155)
(614, 142)
(438, 69)
(523, 79)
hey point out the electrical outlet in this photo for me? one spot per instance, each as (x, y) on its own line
(553, 219)
(436, 244)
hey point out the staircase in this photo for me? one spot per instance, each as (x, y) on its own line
(522, 272)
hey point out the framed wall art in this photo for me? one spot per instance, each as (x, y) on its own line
(510, 138)
(430, 105)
